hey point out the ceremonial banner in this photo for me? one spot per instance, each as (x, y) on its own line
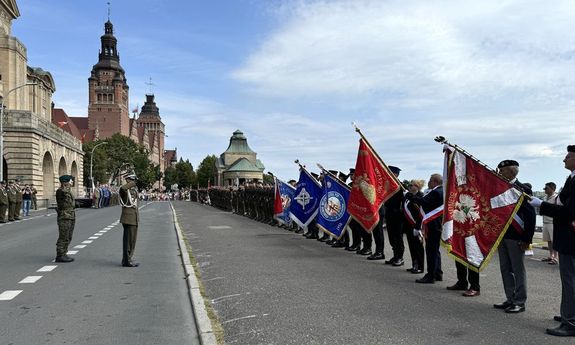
(282, 202)
(306, 199)
(373, 184)
(479, 207)
(333, 217)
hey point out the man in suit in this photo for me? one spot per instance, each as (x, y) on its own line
(430, 202)
(393, 223)
(129, 219)
(512, 248)
(563, 213)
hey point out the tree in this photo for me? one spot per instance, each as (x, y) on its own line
(185, 173)
(206, 171)
(170, 177)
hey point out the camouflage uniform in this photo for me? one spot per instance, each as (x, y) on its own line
(11, 191)
(66, 219)
(18, 204)
(3, 203)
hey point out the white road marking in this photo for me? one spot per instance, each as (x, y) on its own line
(218, 227)
(80, 246)
(30, 280)
(47, 268)
(72, 252)
(224, 297)
(87, 242)
(9, 294)
(98, 234)
(103, 231)
(92, 238)
(108, 228)
(239, 318)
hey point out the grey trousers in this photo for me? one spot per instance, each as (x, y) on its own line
(513, 271)
(567, 272)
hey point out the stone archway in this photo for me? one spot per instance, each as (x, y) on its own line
(48, 176)
(62, 170)
(74, 172)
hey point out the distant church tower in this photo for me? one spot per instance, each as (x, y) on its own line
(150, 119)
(108, 111)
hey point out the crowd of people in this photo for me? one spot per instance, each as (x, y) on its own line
(403, 213)
(16, 200)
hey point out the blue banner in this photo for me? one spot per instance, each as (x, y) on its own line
(333, 217)
(286, 193)
(306, 199)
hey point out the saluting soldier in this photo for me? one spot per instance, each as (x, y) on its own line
(66, 218)
(18, 205)
(129, 219)
(3, 201)
(11, 200)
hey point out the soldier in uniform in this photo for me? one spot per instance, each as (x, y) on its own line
(18, 204)
(3, 201)
(11, 201)
(129, 219)
(66, 218)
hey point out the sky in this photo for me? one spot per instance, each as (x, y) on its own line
(494, 77)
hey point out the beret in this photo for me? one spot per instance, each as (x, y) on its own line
(394, 170)
(571, 148)
(66, 178)
(352, 170)
(334, 172)
(508, 163)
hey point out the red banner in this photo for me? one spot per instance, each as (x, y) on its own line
(373, 184)
(278, 204)
(479, 207)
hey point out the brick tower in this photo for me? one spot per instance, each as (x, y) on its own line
(108, 111)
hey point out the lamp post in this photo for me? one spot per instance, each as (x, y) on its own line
(5, 96)
(91, 165)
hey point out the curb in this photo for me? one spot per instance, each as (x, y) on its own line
(203, 323)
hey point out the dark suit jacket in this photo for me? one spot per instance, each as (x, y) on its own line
(527, 213)
(430, 202)
(563, 217)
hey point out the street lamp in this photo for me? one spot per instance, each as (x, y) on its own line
(91, 165)
(5, 96)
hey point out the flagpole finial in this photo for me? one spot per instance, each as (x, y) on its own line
(355, 127)
(319, 166)
(296, 161)
(440, 139)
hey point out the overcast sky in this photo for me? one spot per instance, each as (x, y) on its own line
(495, 77)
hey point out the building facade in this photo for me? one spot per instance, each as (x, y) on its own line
(238, 164)
(35, 150)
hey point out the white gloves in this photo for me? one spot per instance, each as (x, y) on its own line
(417, 233)
(535, 202)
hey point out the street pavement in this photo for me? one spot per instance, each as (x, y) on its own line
(94, 300)
(271, 286)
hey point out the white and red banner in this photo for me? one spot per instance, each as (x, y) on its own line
(479, 207)
(373, 184)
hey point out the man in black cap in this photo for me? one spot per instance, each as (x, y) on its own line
(129, 219)
(514, 244)
(394, 222)
(563, 213)
(66, 218)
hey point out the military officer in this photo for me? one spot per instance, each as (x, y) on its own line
(66, 218)
(129, 219)
(34, 196)
(3, 201)
(11, 191)
(18, 204)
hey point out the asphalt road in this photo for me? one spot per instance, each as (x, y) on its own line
(94, 300)
(271, 286)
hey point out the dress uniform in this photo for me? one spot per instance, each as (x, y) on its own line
(66, 218)
(394, 221)
(11, 191)
(3, 202)
(129, 219)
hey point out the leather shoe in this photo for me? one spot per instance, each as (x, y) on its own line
(306, 234)
(352, 248)
(564, 330)
(130, 264)
(471, 293)
(503, 305)
(398, 262)
(364, 251)
(416, 271)
(376, 256)
(438, 277)
(457, 286)
(425, 280)
(331, 242)
(338, 244)
(63, 258)
(312, 236)
(390, 261)
(515, 308)
(557, 318)
(323, 238)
